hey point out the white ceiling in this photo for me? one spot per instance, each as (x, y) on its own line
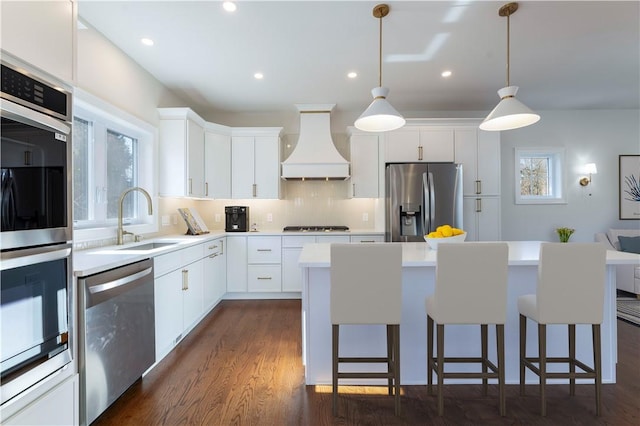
(564, 55)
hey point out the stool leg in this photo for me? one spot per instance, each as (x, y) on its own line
(440, 349)
(485, 355)
(572, 359)
(523, 350)
(597, 363)
(429, 355)
(334, 349)
(542, 355)
(390, 363)
(500, 351)
(396, 367)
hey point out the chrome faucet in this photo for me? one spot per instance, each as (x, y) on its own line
(121, 232)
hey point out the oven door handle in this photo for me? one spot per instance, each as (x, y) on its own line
(11, 260)
(102, 287)
(30, 117)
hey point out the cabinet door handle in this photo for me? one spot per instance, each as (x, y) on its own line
(221, 247)
(478, 205)
(255, 189)
(185, 279)
(478, 187)
(264, 278)
(354, 189)
(206, 189)
(190, 186)
(420, 153)
(264, 250)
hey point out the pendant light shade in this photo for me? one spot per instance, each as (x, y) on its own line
(380, 116)
(510, 113)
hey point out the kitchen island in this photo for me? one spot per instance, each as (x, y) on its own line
(418, 278)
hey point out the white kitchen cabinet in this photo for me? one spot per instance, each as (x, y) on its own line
(365, 165)
(59, 406)
(264, 278)
(236, 264)
(41, 34)
(255, 163)
(479, 153)
(181, 153)
(215, 273)
(217, 164)
(178, 295)
(419, 144)
(264, 257)
(367, 238)
(482, 218)
(291, 272)
(328, 239)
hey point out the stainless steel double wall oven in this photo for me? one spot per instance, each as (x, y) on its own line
(36, 223)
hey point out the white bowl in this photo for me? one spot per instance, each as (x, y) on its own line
(433, 242)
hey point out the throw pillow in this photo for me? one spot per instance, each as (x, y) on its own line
(630, 244)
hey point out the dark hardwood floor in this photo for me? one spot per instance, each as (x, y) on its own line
(242, 366)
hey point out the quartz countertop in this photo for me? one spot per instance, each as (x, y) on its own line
(419, 255)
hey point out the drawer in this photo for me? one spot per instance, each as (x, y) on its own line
(192, 254)
(264, 250)
(367, 238)
(165, 263)
(297, 241)
(264, 278)
(214, 248)
(333, 239)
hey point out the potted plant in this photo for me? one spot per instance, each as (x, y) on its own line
(564, 234)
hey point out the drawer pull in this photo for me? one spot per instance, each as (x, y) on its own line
(213, 247)
(264, 278)
(367, 241)
(213, 255)
(264, 249)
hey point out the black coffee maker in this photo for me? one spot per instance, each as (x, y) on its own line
(236, 218)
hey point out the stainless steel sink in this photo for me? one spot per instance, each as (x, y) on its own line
(149, 246)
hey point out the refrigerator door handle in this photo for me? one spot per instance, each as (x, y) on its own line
(426, 223)
(432, 199)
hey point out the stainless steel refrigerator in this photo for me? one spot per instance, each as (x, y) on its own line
(420, 197)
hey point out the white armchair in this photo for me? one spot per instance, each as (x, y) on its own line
(627, 276)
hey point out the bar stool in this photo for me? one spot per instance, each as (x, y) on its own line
(570, 291)
(366, 288)
(471, 288)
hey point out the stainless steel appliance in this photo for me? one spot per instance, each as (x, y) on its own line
(36, 229)
(36, 152)
(316, 228)
(34, 316)
(420, 197)
(236, 218)
(117, 322)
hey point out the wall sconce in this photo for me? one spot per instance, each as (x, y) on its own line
(590, 169)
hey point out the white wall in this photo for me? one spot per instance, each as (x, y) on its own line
(588, 137)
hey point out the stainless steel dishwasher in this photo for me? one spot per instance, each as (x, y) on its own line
(117, 332)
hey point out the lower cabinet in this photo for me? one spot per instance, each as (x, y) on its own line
(482, 218)
(59, 406)
(215, 273)
(236, 264)
(264, 258)
(178, 288)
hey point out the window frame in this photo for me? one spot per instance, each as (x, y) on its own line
(87, 106)
(557, 179)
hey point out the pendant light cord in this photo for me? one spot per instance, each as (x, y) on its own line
(380, 55)
(508, 50)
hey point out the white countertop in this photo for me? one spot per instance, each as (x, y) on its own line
(420, 255)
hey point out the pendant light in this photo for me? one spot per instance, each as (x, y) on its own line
(380, 116)
(510, 113)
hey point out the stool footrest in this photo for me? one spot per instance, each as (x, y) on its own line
(364, 375)
(374, 360)
(588, 372)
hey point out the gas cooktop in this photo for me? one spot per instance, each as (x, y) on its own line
(321, 228)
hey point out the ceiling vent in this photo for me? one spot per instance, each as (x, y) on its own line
(315, 156)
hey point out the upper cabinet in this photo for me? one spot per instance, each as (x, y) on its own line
(365, 164)
(217, 162)
(479, 153)
(255, 163)
(181, 153)
(419, 144)
(40, 33)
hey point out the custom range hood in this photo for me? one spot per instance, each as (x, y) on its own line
(315, 156)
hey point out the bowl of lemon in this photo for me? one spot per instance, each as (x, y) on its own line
(445, 234)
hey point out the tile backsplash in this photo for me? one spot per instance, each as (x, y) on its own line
(302, 203)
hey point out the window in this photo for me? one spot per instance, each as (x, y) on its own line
(112, 152)
(539, 176)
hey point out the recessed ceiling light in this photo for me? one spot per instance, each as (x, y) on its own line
(352, 74)
(258, 76)
(446, 74)
(146, 41)
(229, 6)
